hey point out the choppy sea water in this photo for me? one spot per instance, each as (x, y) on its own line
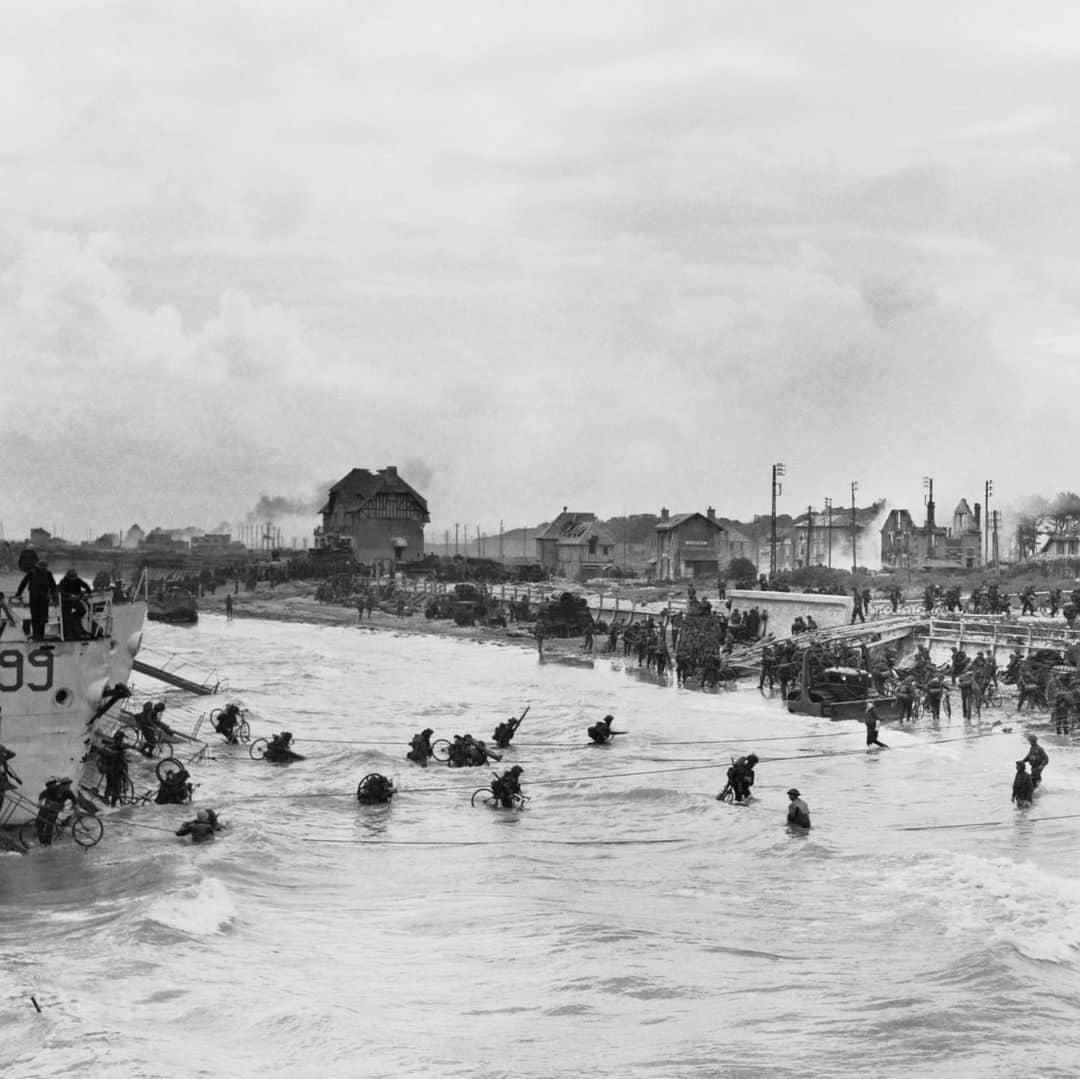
(626, 924)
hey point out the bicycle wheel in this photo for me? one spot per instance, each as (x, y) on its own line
(485, 791)
(28, 835)
(127, 791)
(86, 829)
(727, 794)
(163, 748)
(440, 750)
(168, 767)
(258, 749)
(243, 731)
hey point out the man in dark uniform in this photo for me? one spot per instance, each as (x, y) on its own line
(857, 606)
(741, 776)
(51, 801)
(1023, 788)
(871, 720)
(601, 732)
(115, 767)
(798, 814)
(72, 589)
(905, 694)
(175, 789)
(1038, 758)
(42, 590)
(935, 691)
(420, 747)
(507, 786)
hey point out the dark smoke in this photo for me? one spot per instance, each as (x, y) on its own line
(274, 507)
(418, 473)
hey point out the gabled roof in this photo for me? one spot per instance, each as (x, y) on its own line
(576, 529)
(677, 519)
(569, 526)
(962, 507)
(364, 485)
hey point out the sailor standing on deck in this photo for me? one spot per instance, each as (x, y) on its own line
(42, 590)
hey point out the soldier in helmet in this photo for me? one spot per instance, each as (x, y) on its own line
(420, 747)
(507, 787)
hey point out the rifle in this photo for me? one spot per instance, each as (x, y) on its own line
(517, 722)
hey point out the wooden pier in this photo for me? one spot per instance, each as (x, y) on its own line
(997, 635)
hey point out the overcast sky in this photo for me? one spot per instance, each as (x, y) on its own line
(614, 255)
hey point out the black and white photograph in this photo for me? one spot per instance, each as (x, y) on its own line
(539, 540)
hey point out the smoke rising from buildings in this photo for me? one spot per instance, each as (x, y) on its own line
(276, 507)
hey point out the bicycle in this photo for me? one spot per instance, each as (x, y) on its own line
(160, 746)
(257, 749)
(127, 788)
(241, 731)
(519, 800)
(86, 829)
(375, 789)
(168, 768)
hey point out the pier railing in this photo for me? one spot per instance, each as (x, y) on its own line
(993, 632)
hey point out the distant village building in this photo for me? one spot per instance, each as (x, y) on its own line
(211, 542)
(39, 537)
(377, 515)
(688, 545)
(815, 541)
(905, 544)
(133, 538)
(574, 546)
(1064, 543)
(734, 544)
(160, 539)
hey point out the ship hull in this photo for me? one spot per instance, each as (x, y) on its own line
(50, 693)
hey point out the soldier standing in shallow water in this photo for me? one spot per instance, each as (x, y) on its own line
(798, 813)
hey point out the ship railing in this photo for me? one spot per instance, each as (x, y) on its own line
(95, 621)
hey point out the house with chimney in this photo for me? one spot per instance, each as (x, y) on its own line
(377, 516)
(575, 546)
(688, 545)
(905, 544)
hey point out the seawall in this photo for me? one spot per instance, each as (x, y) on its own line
(783, 607)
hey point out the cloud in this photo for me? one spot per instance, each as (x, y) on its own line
(615, 257)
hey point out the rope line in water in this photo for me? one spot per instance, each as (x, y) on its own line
(983, 823)
(488, 843)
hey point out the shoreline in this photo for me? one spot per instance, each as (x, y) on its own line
(292, 603)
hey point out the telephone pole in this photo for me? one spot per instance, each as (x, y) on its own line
(457, 525)
(809, 532)
(828, 510)
(777, 470)
(986, 522)
(854, 559)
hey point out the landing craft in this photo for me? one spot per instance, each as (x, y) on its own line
(840, 693)
(53, 690)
